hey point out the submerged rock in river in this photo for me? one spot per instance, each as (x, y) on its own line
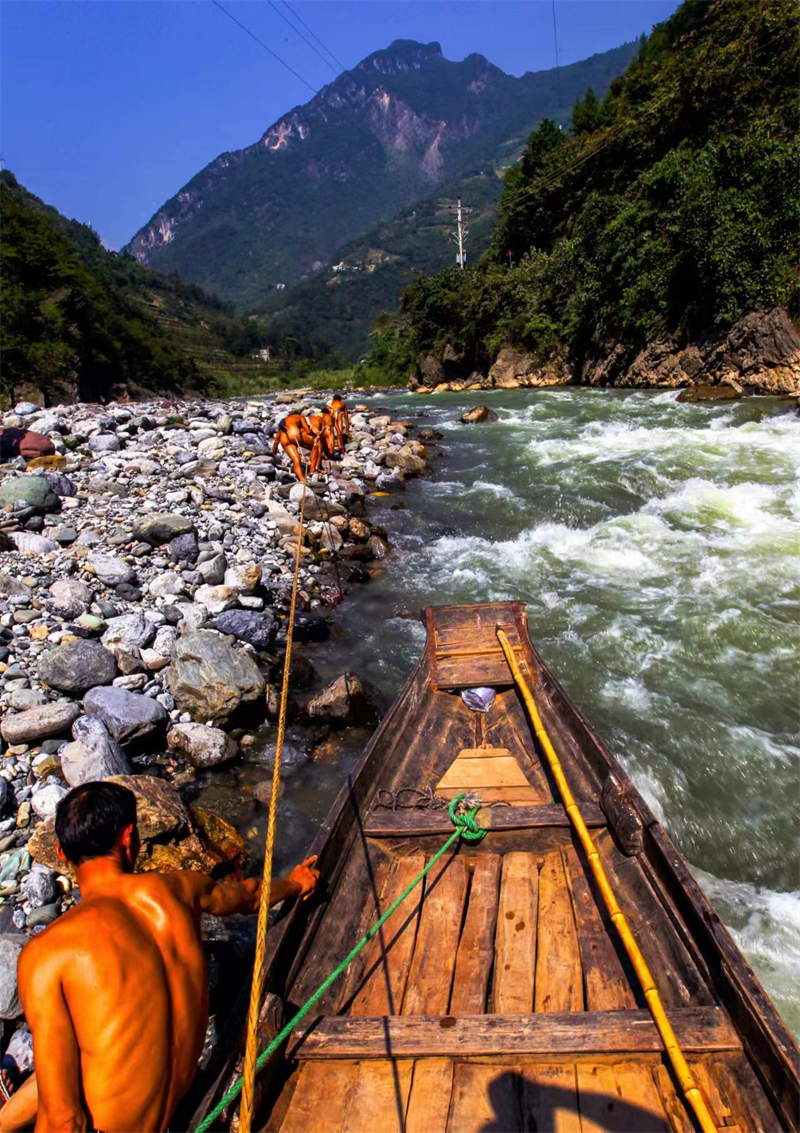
(201, 745)
(347, 700)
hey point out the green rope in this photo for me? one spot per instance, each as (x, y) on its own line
(466, 828)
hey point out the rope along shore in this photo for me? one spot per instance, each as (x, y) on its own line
(257, 986)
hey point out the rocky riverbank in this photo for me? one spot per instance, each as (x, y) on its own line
(760, 354)
(145, 577)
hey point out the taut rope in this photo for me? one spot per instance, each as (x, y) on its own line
(257, 986)
(465, 827)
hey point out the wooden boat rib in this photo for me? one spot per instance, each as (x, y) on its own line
(497, 997)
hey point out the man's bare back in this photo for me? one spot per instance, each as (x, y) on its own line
(116, 993)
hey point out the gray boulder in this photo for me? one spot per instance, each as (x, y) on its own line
(257, 629)
(34, 492)
(184, 548)
(104, 442)
(128, 716)
(128, 632)
(70, 598)
(76, 666)
(210, 679)
(201, 745)
(46, 799)
(161, 528)
(213, 569)
(39, 886)
(61, 484)
(28, 543)
(11, 944)
(38, 723)
(110, 569)
(93, 754)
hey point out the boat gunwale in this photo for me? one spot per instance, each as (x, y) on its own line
(751, 1011)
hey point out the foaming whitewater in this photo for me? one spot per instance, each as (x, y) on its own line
(657, 546)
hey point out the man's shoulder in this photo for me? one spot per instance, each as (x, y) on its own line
(181, 885)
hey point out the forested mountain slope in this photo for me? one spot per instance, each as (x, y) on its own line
(669, 213)
(78, 322)
(395, 128)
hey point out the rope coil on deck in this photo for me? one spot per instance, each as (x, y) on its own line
(465, 827)
(689, 1086)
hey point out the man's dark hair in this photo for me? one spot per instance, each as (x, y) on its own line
(91, 818)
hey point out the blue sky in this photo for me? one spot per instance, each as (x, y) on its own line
(108, 107)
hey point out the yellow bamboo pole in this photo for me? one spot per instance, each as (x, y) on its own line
(676, 1056)
(257, 986)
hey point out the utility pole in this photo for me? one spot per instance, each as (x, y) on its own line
(461, 233)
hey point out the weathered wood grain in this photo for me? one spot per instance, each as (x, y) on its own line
(429, 1100)
(476, 947)
(485, 1098)
(515, 937)
(384, 823)
(698, 1029)
(675, 1106)
(378, 1099)
(607, 977)
(559, 985)
(619, 1099)
(388, 954)
(550, 1097)
(321, 1097)
(676, 975)
(434, 960)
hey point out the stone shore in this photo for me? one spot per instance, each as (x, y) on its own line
(145, 578)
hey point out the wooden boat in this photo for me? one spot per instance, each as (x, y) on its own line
(498, 997)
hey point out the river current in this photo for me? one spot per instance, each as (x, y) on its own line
(657, 546)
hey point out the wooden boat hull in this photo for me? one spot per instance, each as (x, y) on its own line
(498, 997)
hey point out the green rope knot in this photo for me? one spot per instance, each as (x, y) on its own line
(464, 820)
(466, 827)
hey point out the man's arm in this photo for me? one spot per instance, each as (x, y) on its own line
(55, 1048)
(224, 898)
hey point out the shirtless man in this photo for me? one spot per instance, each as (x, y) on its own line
(294, 433)
(321, 424)
(315, 434)
(341, 420)
(116, 991)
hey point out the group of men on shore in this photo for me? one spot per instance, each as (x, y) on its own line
(322, 435)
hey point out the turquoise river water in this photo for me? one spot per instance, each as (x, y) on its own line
(657, 546)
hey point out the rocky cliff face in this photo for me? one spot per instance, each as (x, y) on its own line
(377, 138)
(760, 354)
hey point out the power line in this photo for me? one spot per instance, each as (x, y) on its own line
(286, 20)
(262, 44)
(300, 20)
(555, 44)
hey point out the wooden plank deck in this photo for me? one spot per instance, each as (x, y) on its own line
(499, 999)
(699, 1029)
(516, 1094)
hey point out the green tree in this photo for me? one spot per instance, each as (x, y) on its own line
(587, 113)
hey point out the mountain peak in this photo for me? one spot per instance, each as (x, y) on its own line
(402, 55)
